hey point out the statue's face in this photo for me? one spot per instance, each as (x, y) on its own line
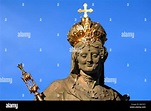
(88, 59)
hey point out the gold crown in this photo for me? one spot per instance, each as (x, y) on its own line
(86, 31)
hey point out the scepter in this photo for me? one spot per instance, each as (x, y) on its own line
(30, 83)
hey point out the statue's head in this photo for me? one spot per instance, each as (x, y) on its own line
(89, 53)
(87, 39)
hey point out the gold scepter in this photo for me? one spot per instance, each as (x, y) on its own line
(30, 83)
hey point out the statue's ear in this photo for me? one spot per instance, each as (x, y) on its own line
(125, 97)
(105, 54)
(74, 64)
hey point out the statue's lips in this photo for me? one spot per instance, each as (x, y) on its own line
(89, 65)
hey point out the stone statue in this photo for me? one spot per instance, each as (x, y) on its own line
(86, 78)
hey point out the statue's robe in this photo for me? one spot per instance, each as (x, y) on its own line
(66, 89)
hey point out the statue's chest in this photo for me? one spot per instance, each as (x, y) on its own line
(97, 93)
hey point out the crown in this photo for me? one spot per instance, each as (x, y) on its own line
(86, 30)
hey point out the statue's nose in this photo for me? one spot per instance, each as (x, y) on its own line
(89, 58)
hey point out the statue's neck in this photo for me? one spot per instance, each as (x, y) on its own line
(89, 80)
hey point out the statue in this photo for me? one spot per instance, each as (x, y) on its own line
(86, 78)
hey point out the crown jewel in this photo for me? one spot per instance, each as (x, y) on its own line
(86, 31)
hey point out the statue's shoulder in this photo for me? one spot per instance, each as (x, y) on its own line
(54, 90)
(116, 94)
(111, 89)
(55, 85)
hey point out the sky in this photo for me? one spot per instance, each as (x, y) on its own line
(34, 33)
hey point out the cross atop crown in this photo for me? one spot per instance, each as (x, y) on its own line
(85, 10)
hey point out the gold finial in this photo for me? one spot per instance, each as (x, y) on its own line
(85, 10)
(30, 83)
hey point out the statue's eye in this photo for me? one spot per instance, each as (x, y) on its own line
(94, 55)
(84, 55)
